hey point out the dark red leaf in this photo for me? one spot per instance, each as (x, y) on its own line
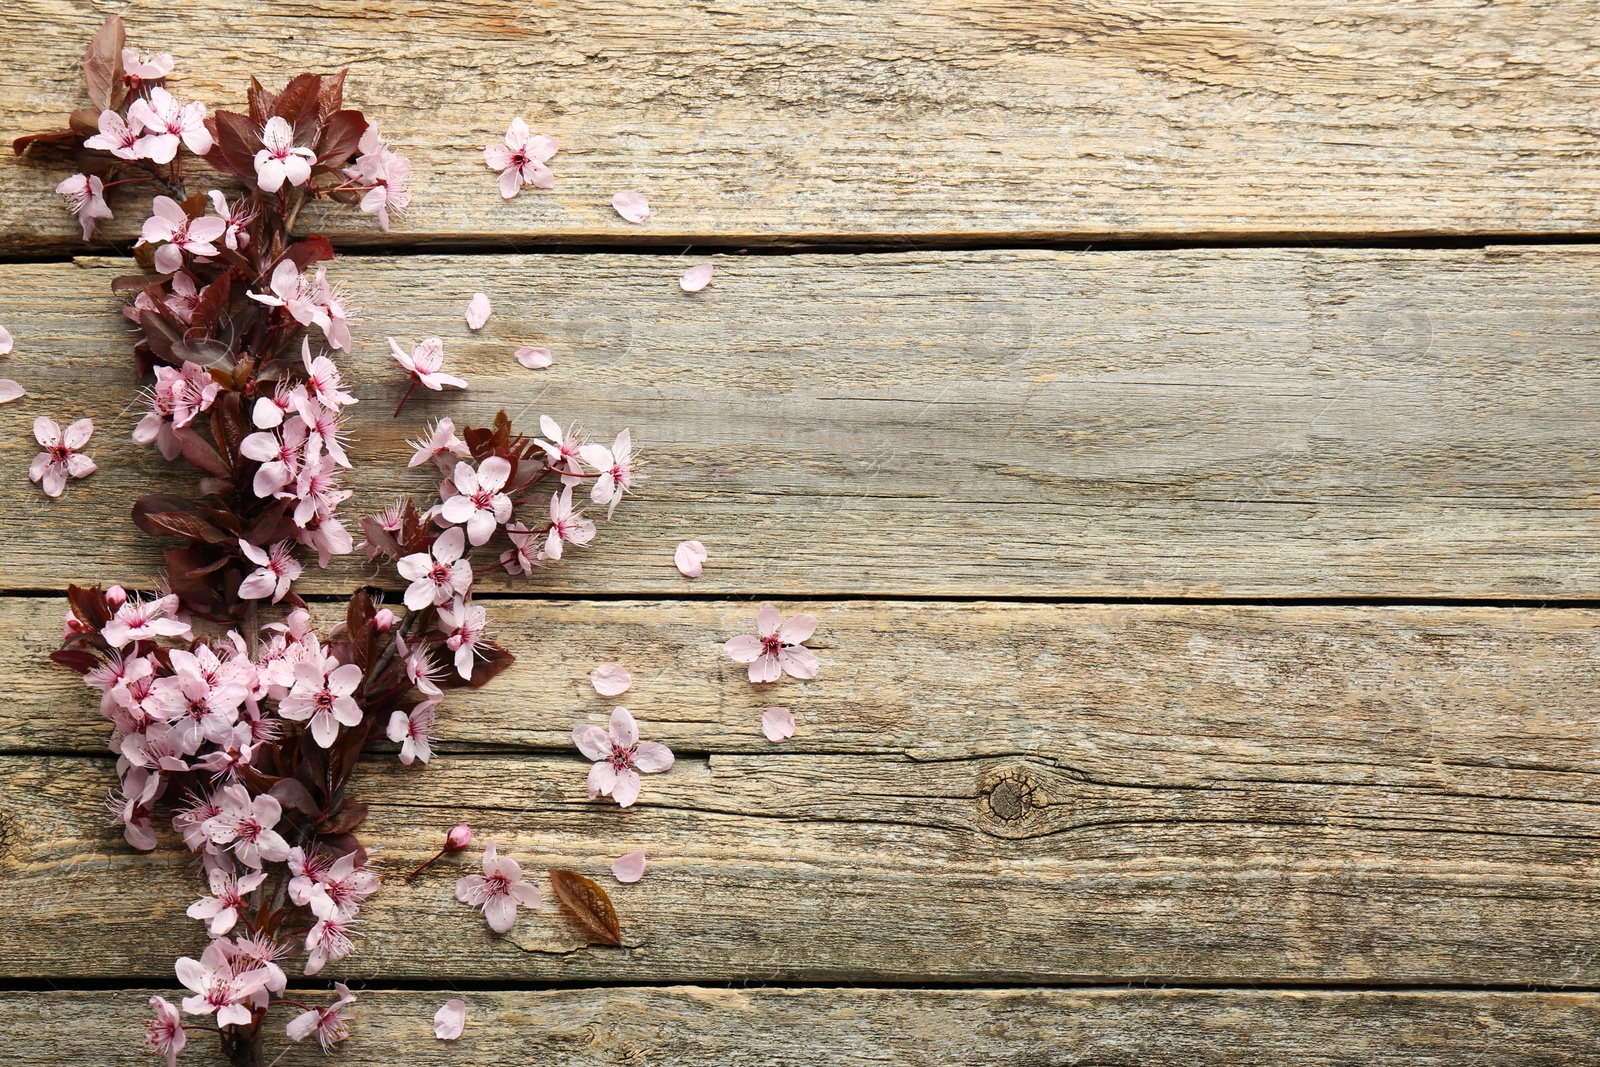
(358, 624)
(330, 97)
(77, 659)
(492, 659)
(84, 121)
(102, 63)
(162, 336)
(89, 605)
(272, 525)
(126, 282)
(297, 105)
(212, 303)
(292, 793)
(199, 592)
(340, 136)
(261, 101)
(57, 139)
(313, 249)
(348, 818)
(588, 905)
(379, 538)
(200, 452)
(237, 139)
(168, 515)
(228, 428)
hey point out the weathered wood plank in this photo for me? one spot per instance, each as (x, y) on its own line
(802, 868)
(692, 1026)
(1490, 701)
(845, 120)
(1240, 423)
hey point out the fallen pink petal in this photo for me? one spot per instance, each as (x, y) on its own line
(777, 724)
(610, 679)
(629, 869)
(631, 205)
(690, 558)
(477, 311)
(10, 390)
(5, 341)
(696, 278)
(535, 358)
(450, 1020)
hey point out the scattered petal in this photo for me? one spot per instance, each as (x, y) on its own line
(10, 390)
(610, 679)
(631, 205)
(630, 868)
(450, 1020)
(534, 357)
(690, 558)
(5, 341)
(477, 311)
(696, 278)
(777, 724)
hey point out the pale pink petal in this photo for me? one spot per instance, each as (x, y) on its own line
(777, 724)
(624, 730)
(631, 205)
(592, 741)
(78, 433)
(496, 157)
(765, 669)
(610, 679)
(690, 559)
(626, 791)
(602, 779)
(5, 341)
(477, 311)
(510, 182)
(628, 869)
(46, 431)
(501, 911)
(450, 1020)
(797, 629)
(767, 620)
(534, 357)
(744, 648)
(10, 390)
(798, 661)
(652, 758)
(696, 278)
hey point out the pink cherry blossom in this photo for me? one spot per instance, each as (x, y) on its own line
(696, 278)
(412, 731)
(477, 311)
(182, 234)
(776, 649)
(280, 454)
(616, 467)
(620, 757)
(450, 1020)
(332, 312)
(338, 891)
(690, 558)
(420, 668)
(235, 220)
(424, 364)
(317, 491)
(217, 987)
(275, 569)
(329, 940)
(61, 457)
(610, 679)
(164, 122)
(385, 171)
(325, 698)
(566, 524)
(439, 440)
(478, 501)
(164, 1035)
(115, 136)
(466, 624)
(289, 290)
(153, 69)
(281, 160)
(498, 890)
(629, 868)
(459, 837)
(247, 823)
(330, 1024)
(777, 724)
(324, 430)
(521, 160)
(438, 574)
(631, 205)
(86, 199)
(562, 450)
(535, 358)
(141, 620)
(524, 554)
(222, 908)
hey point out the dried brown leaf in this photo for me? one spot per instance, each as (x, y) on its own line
(588, 905)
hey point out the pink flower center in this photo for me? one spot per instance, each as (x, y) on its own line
(440, 574)
(483, 500)
(771, 645)
(59, 454)
(497, 885)
(621, 758)
(324, 700)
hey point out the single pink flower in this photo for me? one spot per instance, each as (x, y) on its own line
(163, 122)
(629, 868)
(153, 69)
(330, 1024)
(534, 358)
(466, 625)
(440, 440)
(562, 451)
(290, 290)
(498, 890)
(616, 467)
(631, 205)
(172, 225)
(459, 837)
(280, 454)
(777, 724)
(438, 575)
(145, 620)
(776, 649)
(420, 668)
(324, 697)
(521, 160)
(328, 941)
(610, 679)
(338, 891)
(222, 908)
(115, 136)
(479, 503)
(566, 524)
(696, 278)
(385, 172)
(164, 1035)
(332, 312)
(61, 457)
(620, 757)
(281, 160)
(477, 311)
(235, 220)
(86, 199)
(424, 364)
(450, 1020)
(217, 987)
(690, 558)
(275, 569)
(412, 731)
(524, 554)
(247, 823)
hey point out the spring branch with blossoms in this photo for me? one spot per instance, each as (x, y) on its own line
(244, 731)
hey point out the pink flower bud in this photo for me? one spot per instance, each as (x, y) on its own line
(116, 596)
(459, 838)
(383, 620)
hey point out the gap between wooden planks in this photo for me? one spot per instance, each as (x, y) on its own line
(1224, 423)
(699, 1027)
(897, 122)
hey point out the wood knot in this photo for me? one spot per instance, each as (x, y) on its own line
(1009, 800)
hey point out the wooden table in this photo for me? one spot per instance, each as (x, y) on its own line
(1181, 418)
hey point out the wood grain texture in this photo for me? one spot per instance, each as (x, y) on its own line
(842, 120)
(1495, 701)
(1215, 423)
(793, 867)
(700, 1027)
